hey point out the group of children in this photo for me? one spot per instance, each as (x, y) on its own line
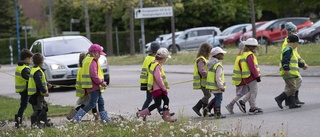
(153, 80)
(32, 86)
(209, 77)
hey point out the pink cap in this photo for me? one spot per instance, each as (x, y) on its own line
(96, 48)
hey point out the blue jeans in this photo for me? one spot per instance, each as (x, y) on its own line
(95, 97)
(217, 99)
(148, 100)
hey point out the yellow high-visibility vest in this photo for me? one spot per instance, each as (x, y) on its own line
(293, 65)
(80, 92)
(20, 82)
(245, 71)
(236, 74)
(32, 87)
(144, 72)
(211, 78)
(151, 76)
(199, 82)
(85, 80)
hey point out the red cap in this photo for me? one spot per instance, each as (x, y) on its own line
(96, 48)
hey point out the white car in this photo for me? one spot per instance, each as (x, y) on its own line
(61, 58)
(163, 40)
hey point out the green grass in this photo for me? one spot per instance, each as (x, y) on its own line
(9, 107)
(269, 56)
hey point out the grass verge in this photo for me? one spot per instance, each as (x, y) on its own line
(266, 56)
(9, 107)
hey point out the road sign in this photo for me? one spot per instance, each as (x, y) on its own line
(27, 27)
(154, 12)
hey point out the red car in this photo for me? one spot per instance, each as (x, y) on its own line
(234, 38)
(270, 33)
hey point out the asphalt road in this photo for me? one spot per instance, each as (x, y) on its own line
(299, 122)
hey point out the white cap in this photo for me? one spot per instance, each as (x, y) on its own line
(217, 50)
(163, 53)
(251, 42)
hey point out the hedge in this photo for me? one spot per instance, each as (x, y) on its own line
(99, 38)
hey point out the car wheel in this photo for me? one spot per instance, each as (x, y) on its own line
(107, 79)
(170, 48)
(316, 38)
(263, 41)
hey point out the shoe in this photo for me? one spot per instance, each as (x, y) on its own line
(256, 110)
(242, 106)
(230, 109)
(2, 123)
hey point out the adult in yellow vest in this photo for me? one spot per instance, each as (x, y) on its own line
(292, 29)
(92, 81)
(250, 75)
(84, 97)
(215, 82)
(290, 72)
(37, 90)
(200, 71)
(21, 84)
(158, 86)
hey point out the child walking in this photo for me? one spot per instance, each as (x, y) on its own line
(290, 72)
(38, 89)
(21, 83)
(92, 81)
(215, 82)
(250, 75)
(200, 76)
(158, 85)
(241, 88)
(84, 97)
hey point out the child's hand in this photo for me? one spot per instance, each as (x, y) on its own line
(104, 84)
(222, 89)
(305, 67)
(46, 94)
(286, 72)
(49, 85)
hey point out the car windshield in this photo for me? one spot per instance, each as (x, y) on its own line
(264, 26)
(66, 46)
(317, 24)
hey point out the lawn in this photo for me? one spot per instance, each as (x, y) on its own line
(266, 56)
(9, 107)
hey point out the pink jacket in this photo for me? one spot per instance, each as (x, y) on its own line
(158, 83)
(253, 70)
(96, 81)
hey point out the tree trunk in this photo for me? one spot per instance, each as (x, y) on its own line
(109, 32)
(132, 49)
(86, 18)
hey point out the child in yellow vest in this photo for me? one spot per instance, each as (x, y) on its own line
(158, 85)
(92, 81)
(38, 89)
(200, 76)
(84, 97)
(21, 84)
(215, 82)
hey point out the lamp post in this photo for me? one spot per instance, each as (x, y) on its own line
(72, 20)
(25, 28)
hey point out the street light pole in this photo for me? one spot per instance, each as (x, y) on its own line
(51, 23)
(17, 28)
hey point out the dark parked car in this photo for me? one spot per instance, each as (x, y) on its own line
(311, 33)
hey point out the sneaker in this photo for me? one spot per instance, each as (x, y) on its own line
(230, 108)
(255, 110)
(2, 123)
(242, 106)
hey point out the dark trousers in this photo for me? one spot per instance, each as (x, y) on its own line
(157, 102)
(24, 99)
(148, 100)
(94, 110)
